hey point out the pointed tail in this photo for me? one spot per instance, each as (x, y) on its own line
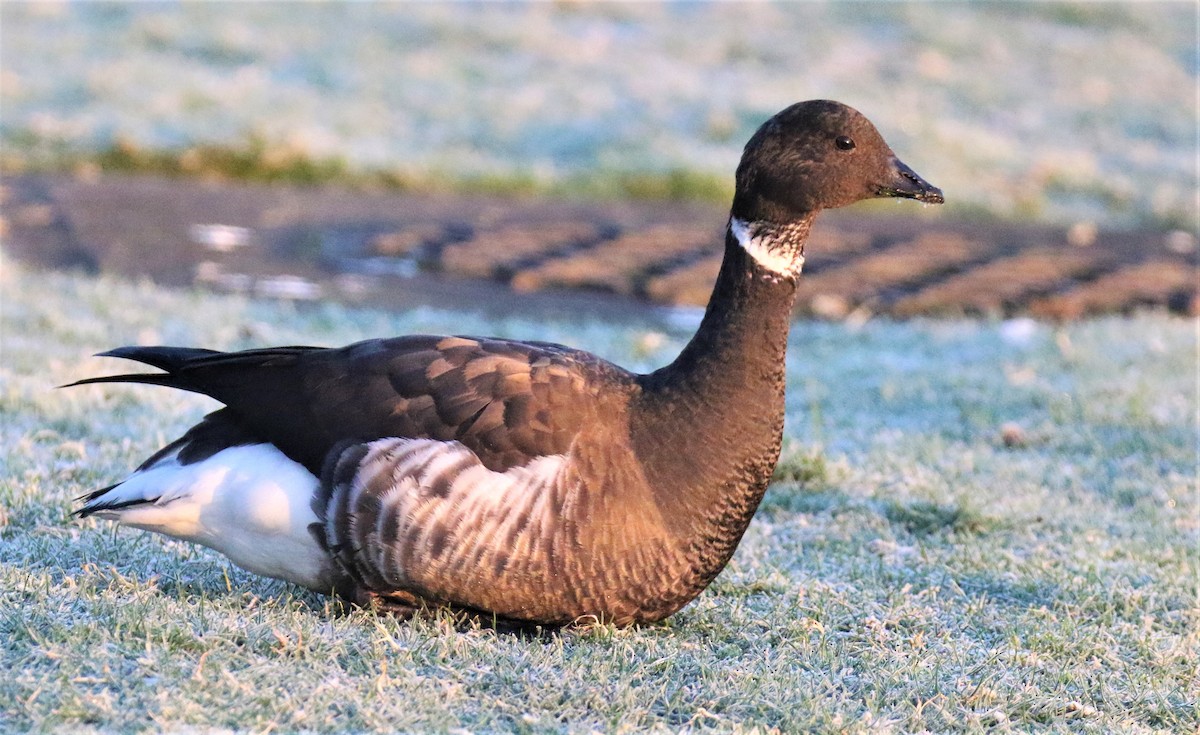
(169, 359)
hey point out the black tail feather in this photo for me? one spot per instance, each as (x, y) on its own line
(163, 358)
(170, 359)
(87, 512)
(90, 496)
(89, 508)
(269, 389)
(165, 379)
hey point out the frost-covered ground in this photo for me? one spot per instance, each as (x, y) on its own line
(907, 572)
(1046, 110)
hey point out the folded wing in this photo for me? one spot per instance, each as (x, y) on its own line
(508, 402)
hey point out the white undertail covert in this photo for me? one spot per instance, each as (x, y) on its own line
(251, 503)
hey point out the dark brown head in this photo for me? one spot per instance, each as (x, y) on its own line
(819, 155)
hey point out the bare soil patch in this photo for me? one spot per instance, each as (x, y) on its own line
(404, 249)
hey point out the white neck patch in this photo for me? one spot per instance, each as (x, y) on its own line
(766, 249)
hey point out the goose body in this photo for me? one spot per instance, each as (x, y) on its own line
(523, 480)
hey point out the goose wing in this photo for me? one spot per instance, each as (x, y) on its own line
(507, 402)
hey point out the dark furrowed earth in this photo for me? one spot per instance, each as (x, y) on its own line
(524, 256)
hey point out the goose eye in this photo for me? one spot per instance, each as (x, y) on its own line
(844, 143)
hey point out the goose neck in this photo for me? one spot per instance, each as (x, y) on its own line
(745, 325)
(711, 422)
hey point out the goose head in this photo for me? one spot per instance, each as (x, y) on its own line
(818, 155)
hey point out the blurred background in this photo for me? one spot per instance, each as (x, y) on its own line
(1063, 134)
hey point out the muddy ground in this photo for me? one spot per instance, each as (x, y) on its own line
(525, 256)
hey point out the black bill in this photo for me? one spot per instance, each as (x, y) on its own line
(907, 184)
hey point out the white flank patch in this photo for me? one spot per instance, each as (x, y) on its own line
(251, 503)
(760, 249)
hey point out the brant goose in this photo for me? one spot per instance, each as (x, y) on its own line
(522, 481)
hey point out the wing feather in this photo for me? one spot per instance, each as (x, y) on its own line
(509, 402)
